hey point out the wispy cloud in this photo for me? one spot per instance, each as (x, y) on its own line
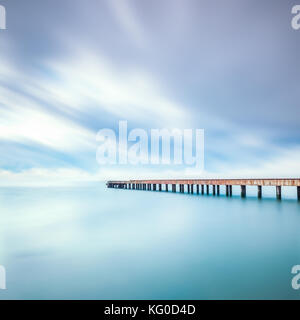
(128, 21)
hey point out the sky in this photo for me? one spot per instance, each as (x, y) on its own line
(69, 68)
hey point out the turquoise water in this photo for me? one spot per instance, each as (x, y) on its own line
(96, 243)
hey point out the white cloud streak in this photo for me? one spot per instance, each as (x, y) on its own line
(284, 166)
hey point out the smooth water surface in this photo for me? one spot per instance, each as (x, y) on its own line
(95, 243)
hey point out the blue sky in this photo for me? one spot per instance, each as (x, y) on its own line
(70, 68)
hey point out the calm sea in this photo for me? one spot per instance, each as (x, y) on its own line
(95, 243)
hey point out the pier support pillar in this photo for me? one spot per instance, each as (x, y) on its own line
(230, 191)
(189, 188)
(218, 190)
(173, 187)
(298, 193)
(167, 187)
(159, 187)
(227, 191)
(243, 191)
(192, 188)
(182, 188)
(154, 187)
(197, 188)
(133, 186)
(214, 189)
(207, 189)
(202, 189)
(278, 192)
(259, 193)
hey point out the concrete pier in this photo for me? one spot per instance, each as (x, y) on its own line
(259, 192)
(215, 183)
(243, 191)
(167, 187)
(278, 192)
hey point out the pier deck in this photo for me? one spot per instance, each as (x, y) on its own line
(215, 183)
